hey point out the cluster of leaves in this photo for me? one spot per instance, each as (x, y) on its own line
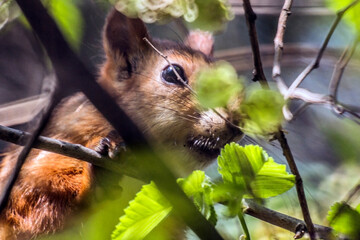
(345, 220)
(260, 109)
(207, 15)
(247, 172)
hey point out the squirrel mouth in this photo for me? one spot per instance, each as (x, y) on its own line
(205, 146)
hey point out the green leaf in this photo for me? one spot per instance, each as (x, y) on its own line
(69, 19)
(217, 85)
(344, 219)
(272, 180)
(212, 15)
(262, 111)
(250, 168)
(199, 187)
(351, 17)
(144, 213)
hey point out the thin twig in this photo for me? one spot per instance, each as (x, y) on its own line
(70, 150)
(278, 45)
(298, 183)
(315, 63)
(258, 71)
(340, 68)
(292, 224)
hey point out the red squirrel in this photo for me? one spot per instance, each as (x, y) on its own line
(50, 187)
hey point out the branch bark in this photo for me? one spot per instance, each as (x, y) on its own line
(250, 19)
(258, 71)
(294, 225)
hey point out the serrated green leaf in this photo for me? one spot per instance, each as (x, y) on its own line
(217, 85)
(251, 169)
(344, 219)
(238, 163)
(144, 213)
(69, 19)
(199, 187)
(272, 180)
(262, 111)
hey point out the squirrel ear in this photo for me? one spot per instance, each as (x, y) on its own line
(124, 36)
(201, 41)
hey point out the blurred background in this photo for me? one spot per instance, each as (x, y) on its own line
(326, 147)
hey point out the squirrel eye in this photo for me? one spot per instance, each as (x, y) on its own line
(169, 76)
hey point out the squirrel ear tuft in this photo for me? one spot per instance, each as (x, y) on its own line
(123, 35)
(201, 41)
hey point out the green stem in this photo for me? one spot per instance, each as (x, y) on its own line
(244, 226)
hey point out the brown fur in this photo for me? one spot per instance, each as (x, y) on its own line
(50, 186)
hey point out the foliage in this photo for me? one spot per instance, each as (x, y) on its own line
(262, 111)
(246, 171)
(345, 219)
(144, 213)
(352, 15)
(193, 11)
(218, 85)
(69, 19)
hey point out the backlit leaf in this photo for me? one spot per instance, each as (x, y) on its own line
(144, 213)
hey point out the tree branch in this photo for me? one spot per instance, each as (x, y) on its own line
(315, 63)
(339, 70)
(278, 46)
(294, 225)
(71, 150)
(258, 72)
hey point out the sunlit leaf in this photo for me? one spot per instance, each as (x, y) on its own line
(345, 219)
(217, 85)
(272, 180)
(199, 187)
(144, 213)
(69, 19)
(212, 15)
(252, 169)
(262, 111)
(351, 16)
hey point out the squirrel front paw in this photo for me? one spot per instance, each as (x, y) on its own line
(111, 146)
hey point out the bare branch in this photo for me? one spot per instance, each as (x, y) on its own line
(250, 16)
(70, 150)
(315, 63)
(340, 68)
(279, 44)
(298, 183)
(294, 225)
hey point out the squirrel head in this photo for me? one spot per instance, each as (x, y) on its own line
(148, 89)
